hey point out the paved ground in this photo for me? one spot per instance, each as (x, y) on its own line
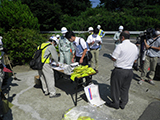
(31, 104)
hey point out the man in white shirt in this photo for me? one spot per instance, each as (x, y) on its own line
(124, 56)
(94, 42)
(80, 51)
(79, 54)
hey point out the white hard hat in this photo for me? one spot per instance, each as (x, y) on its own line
(57, 35)
(1, 37)
(90, 28)
(64, 30)
(53, 38)
(98, 26)
(121, 27)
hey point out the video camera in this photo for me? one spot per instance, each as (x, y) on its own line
(147, 34)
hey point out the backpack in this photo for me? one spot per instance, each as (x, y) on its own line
(36, 62)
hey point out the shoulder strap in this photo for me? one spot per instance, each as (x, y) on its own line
(44, 46)
(80, 42)
(154, 40)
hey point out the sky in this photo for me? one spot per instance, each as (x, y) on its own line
(94, 3)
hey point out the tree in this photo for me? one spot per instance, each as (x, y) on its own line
(74, 7)
(119, 5)
(14, 14)
(47, 11)
(51, 12)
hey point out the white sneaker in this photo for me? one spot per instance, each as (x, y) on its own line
(141, 81)
(151, 82)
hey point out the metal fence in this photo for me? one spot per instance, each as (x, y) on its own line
(106, 32)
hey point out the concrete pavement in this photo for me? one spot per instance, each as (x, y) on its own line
(31, 104)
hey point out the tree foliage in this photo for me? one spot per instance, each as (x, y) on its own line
(131, 19)
(49, 12)
(14, 14)
(21, 44)
(119, 5)
(74, 7)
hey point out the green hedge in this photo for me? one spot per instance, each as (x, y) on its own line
(21, 44)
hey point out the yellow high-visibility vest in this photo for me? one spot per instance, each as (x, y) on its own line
(1, 57)
(100, 33)
(43, 51)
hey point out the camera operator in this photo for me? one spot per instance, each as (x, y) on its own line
(152, 53)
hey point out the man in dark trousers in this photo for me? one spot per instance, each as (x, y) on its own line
(123, 56)
(79, 55)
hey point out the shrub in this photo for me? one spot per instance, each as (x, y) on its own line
(21, 44)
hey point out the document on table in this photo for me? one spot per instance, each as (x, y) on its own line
(58, 68)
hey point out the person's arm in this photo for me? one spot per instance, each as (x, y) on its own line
(83, 55)
(54, 54)
(103, 33)
(150, 47)
(113, 59)
(89, 41)
(72, 47)
(59, 46)
(156, 48)
(84, 46)
(99, 39)
(115, 37)
(74, 54)
(115, 53)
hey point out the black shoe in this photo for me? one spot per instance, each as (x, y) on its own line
(46, 94)
(122, 107)
(112, 105)
(56, 95)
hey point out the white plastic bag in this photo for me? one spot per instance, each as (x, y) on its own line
(85, 113)
(92, 93)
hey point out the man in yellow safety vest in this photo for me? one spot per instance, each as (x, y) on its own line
(47, 74)
(101, 34)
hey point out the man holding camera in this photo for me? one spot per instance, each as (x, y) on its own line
(152, 53)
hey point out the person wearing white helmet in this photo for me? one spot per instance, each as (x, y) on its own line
(47, 74)
(117, 34)
(90, 30)
(65, 48)
(54, 39)
(58, 38)
(101, 34)
(94, 42)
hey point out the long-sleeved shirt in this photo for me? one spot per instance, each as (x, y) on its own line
(51, 49)
(65, 45)
(101, 33)
(116, 36)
